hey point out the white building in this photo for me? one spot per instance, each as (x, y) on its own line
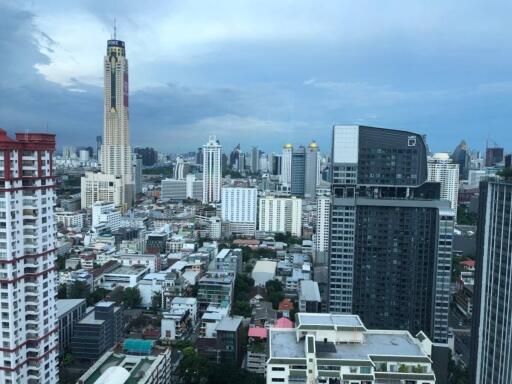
(174, 190)
(325, 347)
(122, 276)
(97, 187)
(286, 165)
(263, 271)
(280, 214)
(323, 211)
(309, 296)
(239, 209)
(212, 170)
(442, 169)
(151, 284)
(215, 227)
(188, 303)
(104, 213)
(194, 187)
(30, 328)
(70, 219)
(151, 261)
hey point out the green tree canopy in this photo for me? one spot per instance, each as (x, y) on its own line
(132, 297)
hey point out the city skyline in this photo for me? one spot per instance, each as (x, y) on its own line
(453, 84)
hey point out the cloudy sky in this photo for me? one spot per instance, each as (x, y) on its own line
(261, 72)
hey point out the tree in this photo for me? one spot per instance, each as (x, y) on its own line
(116, 295)
(274, 292)
(96, 295)
(506, 173)
(132, 297)
(78, 290)
(192, 368)
(156, 301)
(67, 359)
(62, 292)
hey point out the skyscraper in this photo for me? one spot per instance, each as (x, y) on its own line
(493, 156)
(116, 150)
(391, 235)
(286, 165)
(492, 320)
(443, 170)
(212, 173)
(312, 172)
(323, 210)
(255, 160)
(99, 142)
(298, 171)
(461, 156)
(30, 329)
(239, 209)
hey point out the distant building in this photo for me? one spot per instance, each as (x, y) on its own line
(312, 170)
(215, 288)
(98, 187)
(137, 173)
(212, 171)
(97, 332)
(263, 271)
(322, 225)
(280, 215)
(149, 155)
(326, 348)
(298, 172)
(173, 190)
(105, 213)
(286, 165)
(239, 209)
(70, 219)
(441, 169)
(493, 156)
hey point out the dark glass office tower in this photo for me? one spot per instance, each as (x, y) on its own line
(298, 171)
(391, 235)
(491, 354)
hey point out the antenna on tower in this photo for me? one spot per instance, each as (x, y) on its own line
(115, 29)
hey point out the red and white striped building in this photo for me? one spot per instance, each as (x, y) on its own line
(28, 289)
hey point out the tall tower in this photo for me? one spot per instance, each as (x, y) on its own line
(116, 151)
(312, 174)
(27, 251)
(492, 320)
(212, 173)
(286, 164)
(390, 233)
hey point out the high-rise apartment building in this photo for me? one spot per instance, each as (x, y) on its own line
(29, 352)
(212, 172)
(286, 165)
(97, 186)
(492, 320)
(442, 169)
(280, 215)
(137, 173)
(298, 171)
(391, 235)
(99, 142)
(239, 209)
(312, 170)
(323, 211)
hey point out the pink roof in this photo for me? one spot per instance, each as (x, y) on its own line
(258, 332)
(284, 322)
(468, 263)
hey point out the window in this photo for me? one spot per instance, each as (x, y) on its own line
(277, 369)
(277, 380)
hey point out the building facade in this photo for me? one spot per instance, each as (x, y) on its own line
(326, 348)
(97, 186)
(312, 170)
(280, 215)
(323, 214)
(390, 234)
(441, 169)
(492, 321)
(298, 172)
(212, 170)
(69, 312)
(286, 165)
(239, 209)
(29, 352)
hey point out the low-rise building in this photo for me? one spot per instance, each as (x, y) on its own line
(69, 312)
(73, 220)
(257, 350)
(229, 260)
(327, 348)
(263, 271)
(97, 332)
(123, 365)
(122, 276)
(309, 296)
(215, 288)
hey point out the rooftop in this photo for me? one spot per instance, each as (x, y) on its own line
(65, 305)
(265, 266)
(127, 270)
(309, 291)
(327, 319)
(230, 324)
(376, 343)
